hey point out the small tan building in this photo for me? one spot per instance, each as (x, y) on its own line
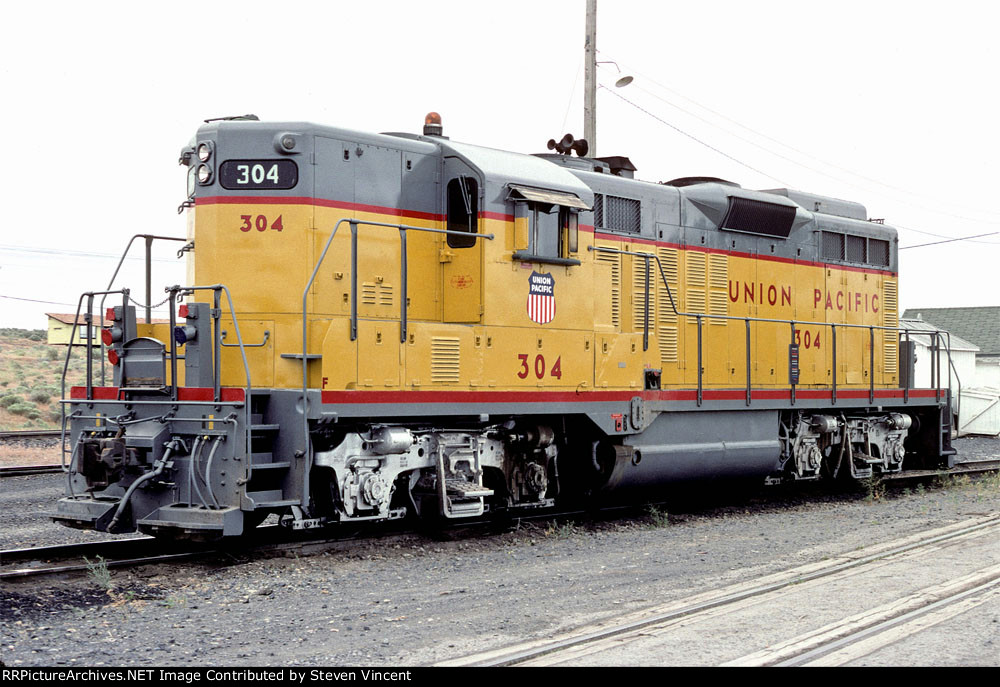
(61, 327)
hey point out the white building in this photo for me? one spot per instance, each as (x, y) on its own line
(975, 405)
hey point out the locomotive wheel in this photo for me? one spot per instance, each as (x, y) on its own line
(324, 491)
(252, 519)
(181, 535)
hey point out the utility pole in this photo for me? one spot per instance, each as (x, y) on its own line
(590, 79)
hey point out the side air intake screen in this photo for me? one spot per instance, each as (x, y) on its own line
(758, 217)
(617, 214)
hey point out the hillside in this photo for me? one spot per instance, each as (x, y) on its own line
(30, 373)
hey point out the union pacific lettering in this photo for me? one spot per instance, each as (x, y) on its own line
(753, 294)
(774, 294)
(852, 301)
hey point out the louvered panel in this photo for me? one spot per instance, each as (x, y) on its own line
(369, 293)
(890, 319)
(889, 304)
(639, 293)
(385, 294)
(615, 260)
(667, 336)
(718, 283)
(696, 277)
(445, 360)
(696, 302)
(718, 304)
(669, 261)
(376, 293)
(666, 318)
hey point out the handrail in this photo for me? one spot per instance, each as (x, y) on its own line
(935, 373)
(88, 320)
(217, 291)
(355, 223)
(149, 273)
(267, 335)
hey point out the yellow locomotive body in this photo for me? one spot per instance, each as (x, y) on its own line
(406, 323)
(466, 334)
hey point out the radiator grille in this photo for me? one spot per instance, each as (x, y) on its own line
(878, 252)
(833, 246)
(856, 249)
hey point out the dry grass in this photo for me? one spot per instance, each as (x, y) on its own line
(18, 455)
(30, 374)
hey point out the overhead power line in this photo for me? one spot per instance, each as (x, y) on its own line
(936, 208)
(74, 253)
(35, 300)
(963, 238)
(694, 138)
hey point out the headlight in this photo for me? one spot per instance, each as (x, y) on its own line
(204, 174)
(204, 152)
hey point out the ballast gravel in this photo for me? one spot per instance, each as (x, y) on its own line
(414, 600)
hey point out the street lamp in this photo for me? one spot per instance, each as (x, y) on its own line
(590, 78)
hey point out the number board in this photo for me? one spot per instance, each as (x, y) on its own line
(258, 174)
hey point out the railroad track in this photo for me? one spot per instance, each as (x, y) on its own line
(31, 434)
(860, 635)
(124, 553)
(831, 644)
(118, 553)
(67, 558)
(970, 468)
(144, 550)
(21, 470)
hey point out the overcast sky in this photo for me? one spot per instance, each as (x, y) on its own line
(891, 104)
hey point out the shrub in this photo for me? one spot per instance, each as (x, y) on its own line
(40, 396)
(26, 409)
(52, 354)
(9, 400)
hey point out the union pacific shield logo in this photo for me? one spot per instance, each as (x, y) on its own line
(541, 297)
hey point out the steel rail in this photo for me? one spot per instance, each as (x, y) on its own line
(21, 470)
(808, 656)
(516, 656)
(30, 433)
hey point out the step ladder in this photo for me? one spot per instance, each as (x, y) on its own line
(460, 497)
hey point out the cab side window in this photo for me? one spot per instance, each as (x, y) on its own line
(553, 230)
(463, 211)
(544, 224)
(569, 232)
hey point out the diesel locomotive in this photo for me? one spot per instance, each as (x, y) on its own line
(381, 325)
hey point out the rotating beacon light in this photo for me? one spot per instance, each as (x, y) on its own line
(432, 125)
